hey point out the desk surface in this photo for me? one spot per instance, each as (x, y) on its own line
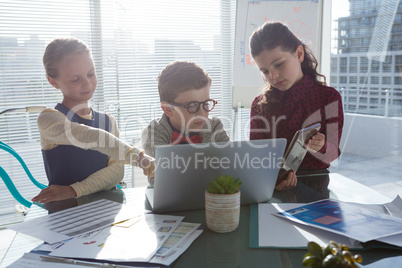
(231, 250)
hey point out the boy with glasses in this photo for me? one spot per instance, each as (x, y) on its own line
(184, 94)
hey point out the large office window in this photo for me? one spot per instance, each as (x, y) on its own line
(371, 140)
(131, 42)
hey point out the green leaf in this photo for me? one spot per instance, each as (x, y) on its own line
(311, 261)
(330, 261)
(315, 249)
(224, 184)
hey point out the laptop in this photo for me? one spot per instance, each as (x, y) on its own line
(183, 171)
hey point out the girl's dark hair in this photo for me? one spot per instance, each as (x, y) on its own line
(275, 34)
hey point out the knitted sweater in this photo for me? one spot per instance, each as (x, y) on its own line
(159, 132)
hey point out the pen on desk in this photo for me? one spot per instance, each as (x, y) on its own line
(83, 263)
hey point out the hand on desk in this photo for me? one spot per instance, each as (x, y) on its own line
(315, 143)
(286, 180)
(55, 193)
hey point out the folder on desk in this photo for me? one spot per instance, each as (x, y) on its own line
(269, 231)
(345, 218)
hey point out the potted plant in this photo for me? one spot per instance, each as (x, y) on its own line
(333, 255)
(222, 204)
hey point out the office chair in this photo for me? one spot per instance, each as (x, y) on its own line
(9, 183)
(4, 175)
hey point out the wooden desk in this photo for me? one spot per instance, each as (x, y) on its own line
(231, 250)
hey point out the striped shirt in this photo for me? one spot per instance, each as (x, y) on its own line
(55, 129)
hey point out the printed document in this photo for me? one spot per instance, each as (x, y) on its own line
(73, 221)
(136, 242)
(348, 219)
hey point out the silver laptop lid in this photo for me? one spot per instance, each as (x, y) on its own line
(183, 171)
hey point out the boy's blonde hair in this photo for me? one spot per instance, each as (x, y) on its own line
(58, 49)
(180, 76)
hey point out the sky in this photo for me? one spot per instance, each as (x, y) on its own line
(340, 8)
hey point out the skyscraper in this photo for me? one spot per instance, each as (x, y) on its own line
(367, 65)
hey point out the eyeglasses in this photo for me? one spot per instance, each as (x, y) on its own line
(194, 106)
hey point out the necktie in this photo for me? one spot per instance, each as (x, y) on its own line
(179, 138)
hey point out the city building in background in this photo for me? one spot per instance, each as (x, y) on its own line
(367, 67)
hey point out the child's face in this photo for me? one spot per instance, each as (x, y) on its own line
(180, 117)
(282, 69)
(76, 78)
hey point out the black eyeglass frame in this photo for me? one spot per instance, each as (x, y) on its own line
(199, 105)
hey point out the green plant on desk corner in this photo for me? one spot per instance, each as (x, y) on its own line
(224, 184)
(334, 255)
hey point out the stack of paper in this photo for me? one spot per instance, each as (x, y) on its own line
(109, 231)
(293, 225)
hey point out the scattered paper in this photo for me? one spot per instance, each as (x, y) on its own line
(73, 221)
(177, 243)
(137, 243)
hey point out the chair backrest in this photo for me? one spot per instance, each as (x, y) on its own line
(9, 183)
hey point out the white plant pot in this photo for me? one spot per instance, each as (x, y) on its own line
(222, 211)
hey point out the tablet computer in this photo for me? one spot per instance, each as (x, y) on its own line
(296, 151)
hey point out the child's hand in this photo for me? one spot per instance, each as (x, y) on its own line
(287, 181)
(147, 163)
(316, 142)
(55, 193)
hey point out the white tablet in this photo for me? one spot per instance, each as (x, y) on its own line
(296, 151)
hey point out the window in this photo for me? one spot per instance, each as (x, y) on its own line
(386, 80)
(343, 79)
(374, 80)
(354, 22)
(387, 64)
(398, 80)
(131, 42)
(375, 66)
(343, 65)
(363, 64)
(366, 42)
(334, 65)
(353, 65)
(343, 33)
(366, 105)
(374, 91)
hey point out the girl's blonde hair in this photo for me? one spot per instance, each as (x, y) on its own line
(58, 49)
